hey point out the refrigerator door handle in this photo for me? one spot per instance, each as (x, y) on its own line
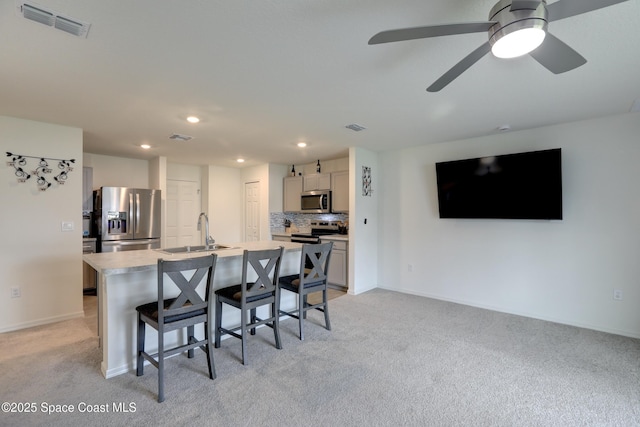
(137, 211)
(133, 227)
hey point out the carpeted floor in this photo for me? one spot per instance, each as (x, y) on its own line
(391, 359)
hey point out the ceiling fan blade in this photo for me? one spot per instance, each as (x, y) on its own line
(430, 31)
(525, 4)
(556, 56)
(567, 8)
(460, 68)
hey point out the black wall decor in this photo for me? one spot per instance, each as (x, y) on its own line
(366, 181)
(41, 171)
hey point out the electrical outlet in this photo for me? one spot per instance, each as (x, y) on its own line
(67, 226)
(15, 293)
(617, 294)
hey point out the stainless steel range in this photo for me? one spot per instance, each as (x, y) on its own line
(318, 229)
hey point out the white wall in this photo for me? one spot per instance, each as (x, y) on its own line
(110, 171)
(563, 271)
(276, 186)
(40, 259)
(326, 166)
(363, 222)
(223, 203)
(158, 180)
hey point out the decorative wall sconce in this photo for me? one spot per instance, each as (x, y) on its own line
(19, 163)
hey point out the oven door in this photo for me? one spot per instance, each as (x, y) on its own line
(305, 238)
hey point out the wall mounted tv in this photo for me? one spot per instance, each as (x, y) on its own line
(513, 186)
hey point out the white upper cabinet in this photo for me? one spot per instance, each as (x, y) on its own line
(291, 196)
(340, 191)
(317, 181)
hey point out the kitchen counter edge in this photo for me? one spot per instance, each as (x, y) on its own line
(109, 263)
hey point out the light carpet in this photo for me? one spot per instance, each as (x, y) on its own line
(391, 360)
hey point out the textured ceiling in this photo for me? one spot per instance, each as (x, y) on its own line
(265, 74)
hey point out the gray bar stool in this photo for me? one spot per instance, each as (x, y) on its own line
(248, 296)
(314, 268)
(186, 310)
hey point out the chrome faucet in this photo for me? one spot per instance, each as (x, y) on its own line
(208, 240)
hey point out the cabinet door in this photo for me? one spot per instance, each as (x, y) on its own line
(317, 181)
(324, 181)
(338, 268)
(292, 191)
(340, 191)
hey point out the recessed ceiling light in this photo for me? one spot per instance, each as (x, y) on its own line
(240, 160)
(145, 146)
(193, 119)
(302, 144)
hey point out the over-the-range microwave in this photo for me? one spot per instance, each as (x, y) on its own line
(318, 201)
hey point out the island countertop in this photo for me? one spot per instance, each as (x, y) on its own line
(128, 279)
(109, 263)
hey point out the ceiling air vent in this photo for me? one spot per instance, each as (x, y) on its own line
(178, 137)
(355, 127)
(54, 19)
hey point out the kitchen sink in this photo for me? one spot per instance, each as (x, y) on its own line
(189, 249)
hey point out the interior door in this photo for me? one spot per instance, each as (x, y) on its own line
(252, 211)
(183, 208)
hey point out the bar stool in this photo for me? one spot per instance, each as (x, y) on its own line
(186, 310)
(248, 296)
(313, 277)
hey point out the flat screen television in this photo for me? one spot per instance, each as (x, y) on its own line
(512, 186)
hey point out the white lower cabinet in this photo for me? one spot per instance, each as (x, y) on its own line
(338, 263)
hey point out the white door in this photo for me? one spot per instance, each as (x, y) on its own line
(252, 211)
(183, 208)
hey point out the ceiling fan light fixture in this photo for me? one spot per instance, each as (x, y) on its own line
(518, 43)
(517, 32)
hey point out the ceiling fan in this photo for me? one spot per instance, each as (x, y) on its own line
(515, 28)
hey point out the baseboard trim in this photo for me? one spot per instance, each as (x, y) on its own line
(517, 313)
(40, 322)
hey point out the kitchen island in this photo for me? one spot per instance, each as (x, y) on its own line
(128, 279)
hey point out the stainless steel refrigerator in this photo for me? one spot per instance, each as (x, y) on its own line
(127, 218)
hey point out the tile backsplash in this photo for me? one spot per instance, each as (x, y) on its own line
(301, 220)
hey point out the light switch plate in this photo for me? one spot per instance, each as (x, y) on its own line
(67, 226)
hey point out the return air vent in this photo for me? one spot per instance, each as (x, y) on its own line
(355, 127)
(54, 19)
(178, 137)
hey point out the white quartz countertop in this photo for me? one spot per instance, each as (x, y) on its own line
(108, 263)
